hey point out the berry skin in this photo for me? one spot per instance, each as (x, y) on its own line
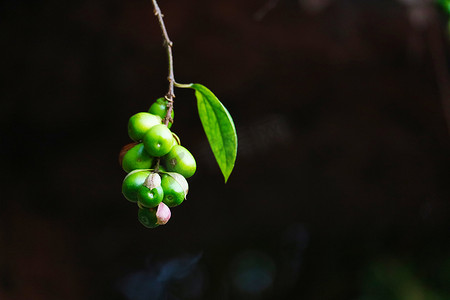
(132, 182)
(159, 108)
(181, 161)
(136, 158)
(150, 197)
(173, 191)
(140, 123)
(147, 217)
(124, 151)
(158, 141)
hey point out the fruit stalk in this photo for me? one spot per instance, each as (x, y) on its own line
(168, 45)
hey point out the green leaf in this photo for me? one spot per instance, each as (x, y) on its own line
(218, 126)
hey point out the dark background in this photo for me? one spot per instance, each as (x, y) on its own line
(341, 185)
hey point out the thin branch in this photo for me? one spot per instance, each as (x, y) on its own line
(171, 78)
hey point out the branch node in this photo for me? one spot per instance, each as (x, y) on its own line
(168, 43)
(169, 98)
(169, 120)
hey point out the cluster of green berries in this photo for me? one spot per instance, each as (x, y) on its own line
(157, 165)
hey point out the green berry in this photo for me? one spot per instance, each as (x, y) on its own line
(140, 123)
(150, 197)
(136, 158)
(159, 108)
(181, 161)
(147, 217)
(173, 191)
(158, 141)
(132, 182)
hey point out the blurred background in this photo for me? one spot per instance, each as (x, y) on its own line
(341, 186)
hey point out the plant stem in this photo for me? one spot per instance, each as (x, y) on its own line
(171, 78)
(183, 85)
(156, 166)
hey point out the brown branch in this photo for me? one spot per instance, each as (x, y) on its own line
(171, 78)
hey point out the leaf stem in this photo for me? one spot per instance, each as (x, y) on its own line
(171, 78)
(183, 85)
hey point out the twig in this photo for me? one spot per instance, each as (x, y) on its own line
(171, 78)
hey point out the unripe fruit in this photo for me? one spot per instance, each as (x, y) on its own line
(180, 160)
(150, 194)
(147, 217)
(159, 108)
(136, 158)
(173, 191)
(132, 182)
(158, 140)
(124, 151)
(140, 123)
(181, 181)
(150, 197)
